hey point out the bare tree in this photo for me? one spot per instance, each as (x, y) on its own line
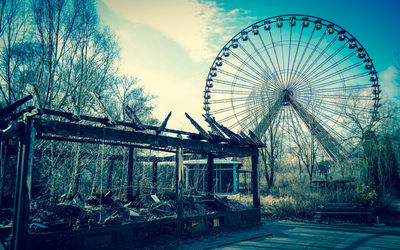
(13, 27)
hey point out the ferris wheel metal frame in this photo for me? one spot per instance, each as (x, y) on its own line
(264, 67)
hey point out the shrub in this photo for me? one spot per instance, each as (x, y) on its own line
(366, 194)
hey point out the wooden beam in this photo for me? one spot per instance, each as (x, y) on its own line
(4, 112)
(179, 187)
(106, 114)
(210, 174)
(135, 120)
(130, 174)
(164, 124)
(234, 137)
(155, 176)
(198, 127)
(87, 131)
(72, 117)
(91, 141)
(22, 192)
(254, 180)
(215, 131)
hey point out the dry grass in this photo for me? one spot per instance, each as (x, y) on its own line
(294, 198)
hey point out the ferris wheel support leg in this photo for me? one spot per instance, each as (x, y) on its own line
(328, 142)
(265, 123)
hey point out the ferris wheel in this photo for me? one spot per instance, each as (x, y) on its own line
(301, 74)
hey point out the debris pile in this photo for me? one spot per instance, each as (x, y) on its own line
(102, 210)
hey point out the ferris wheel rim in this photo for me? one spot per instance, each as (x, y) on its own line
(286, 18)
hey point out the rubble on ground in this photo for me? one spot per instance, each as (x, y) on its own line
(103, 210)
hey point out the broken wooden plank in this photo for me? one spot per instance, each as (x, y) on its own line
(164, 124)
(4, 112)
(135, 120)
(247, 138)
(198, 127)
(256, 139)
(234, 137)
(103, 110)
(215, 132)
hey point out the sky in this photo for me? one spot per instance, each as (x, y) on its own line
(170, 45)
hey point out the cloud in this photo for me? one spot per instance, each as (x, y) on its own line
(193, 25)
(389, 80)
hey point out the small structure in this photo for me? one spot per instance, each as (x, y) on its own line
(225, 179)
(33, 124)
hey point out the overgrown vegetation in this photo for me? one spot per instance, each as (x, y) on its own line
(62, 54)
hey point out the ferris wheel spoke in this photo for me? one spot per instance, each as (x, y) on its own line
(341, 89)
(309, 75)
(341, 106)
(252, 116)
(318, 57)
(226, 109)
(328, 117)
(232, 116)
(290, 47)
(257, 84)
(302, 57)
(247, 65)
(233, 84)
(336, 73)
(241, 70)
(324, 97)
(336, 81)
(336, 64)
(262, 59)
(240, 121)
(330, 129)
(276, 56)
(228, 100)
(312, 52)
(269, 57)
(231, 92)
(254, 60)
(295, 55)
(283, 57)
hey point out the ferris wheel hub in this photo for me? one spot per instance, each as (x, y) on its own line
(287, 95)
